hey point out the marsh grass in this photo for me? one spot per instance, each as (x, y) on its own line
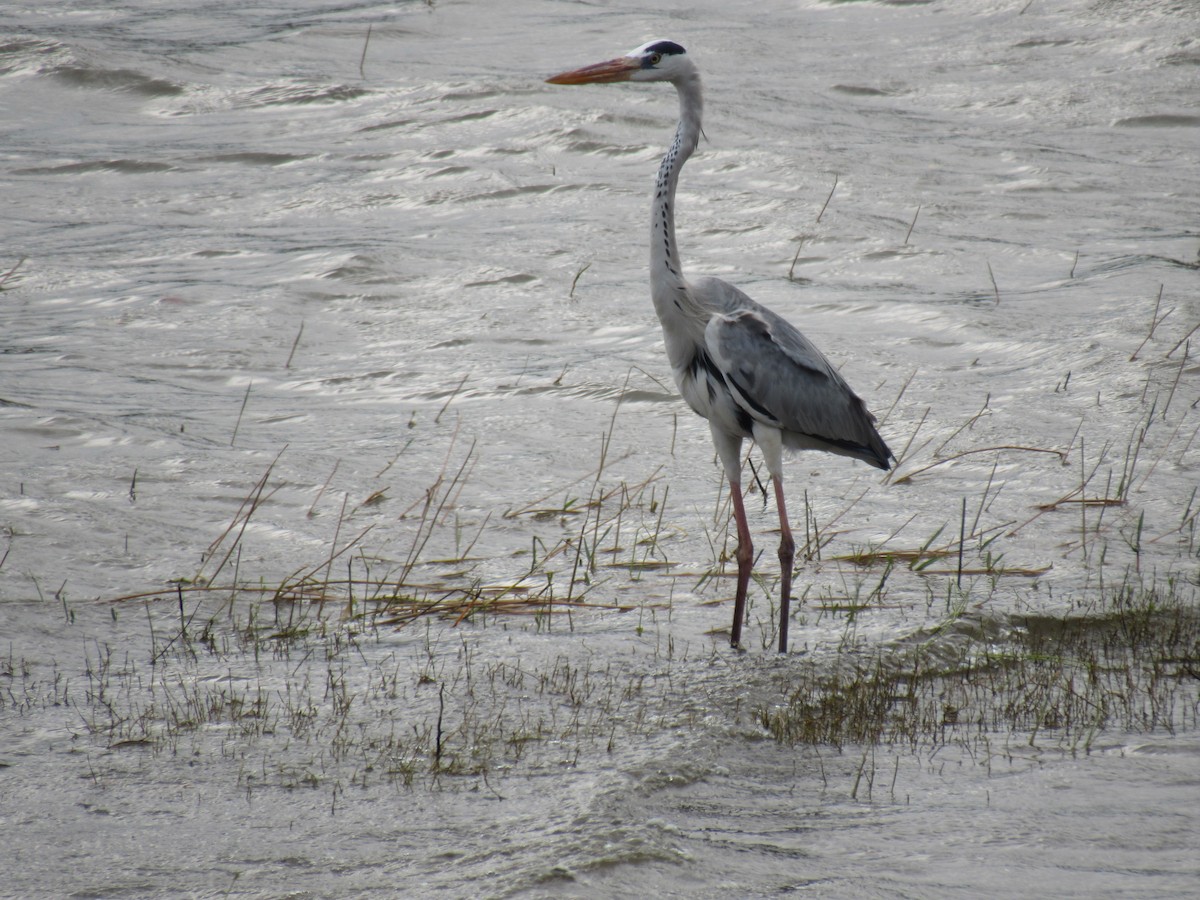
(611, 526)
(1129, 662)
(363, 666)
(298, 699)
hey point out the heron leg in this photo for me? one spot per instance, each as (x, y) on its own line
(787, 556)
(745, 558)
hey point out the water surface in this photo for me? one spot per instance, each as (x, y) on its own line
(248, 248)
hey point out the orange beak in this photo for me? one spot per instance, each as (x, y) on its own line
(619, 69)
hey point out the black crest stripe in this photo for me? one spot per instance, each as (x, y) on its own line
(667, 48)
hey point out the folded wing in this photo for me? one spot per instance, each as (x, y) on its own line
(779, 378)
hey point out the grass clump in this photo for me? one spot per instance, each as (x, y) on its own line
(1130, 662)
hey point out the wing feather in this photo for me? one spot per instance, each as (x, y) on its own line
(780, 378)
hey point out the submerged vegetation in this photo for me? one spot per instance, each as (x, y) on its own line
(1129, 662)
(392, 673)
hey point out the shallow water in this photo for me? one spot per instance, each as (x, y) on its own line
(247, 248)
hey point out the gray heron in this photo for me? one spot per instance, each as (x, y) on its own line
(748, 371)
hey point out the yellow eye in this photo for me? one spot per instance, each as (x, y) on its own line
(655, 59)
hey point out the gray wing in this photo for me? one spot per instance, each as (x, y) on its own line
(779, 377)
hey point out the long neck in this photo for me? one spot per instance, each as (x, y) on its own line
(666, 269)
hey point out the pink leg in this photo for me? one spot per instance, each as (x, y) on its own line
(745, 551)
(787, 556)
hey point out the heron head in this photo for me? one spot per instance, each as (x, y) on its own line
(657, 60)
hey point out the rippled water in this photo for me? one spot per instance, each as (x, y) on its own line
(247, 240)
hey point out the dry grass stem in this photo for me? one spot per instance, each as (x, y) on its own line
(241, 412)
(362, 59)
(825, 205)
(912, 225)
(575, 280)
(933, 465)
(1183, 340)
(792, 267)
(295, 344)
(1155, 321)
